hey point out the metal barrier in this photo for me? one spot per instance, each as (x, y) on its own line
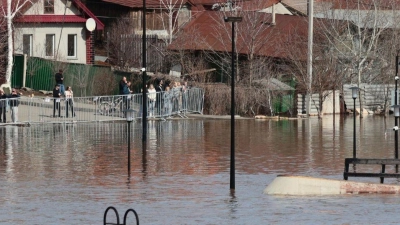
(104, 108)
(116, 214)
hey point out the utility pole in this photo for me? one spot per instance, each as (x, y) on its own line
(309, 54)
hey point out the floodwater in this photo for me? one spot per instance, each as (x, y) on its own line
(70, 174)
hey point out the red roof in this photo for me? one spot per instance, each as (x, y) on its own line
(51, 19)
(207, 2)
(139, 3)
(256, 4)
(209, 32)
(86, 13)
(365, 4)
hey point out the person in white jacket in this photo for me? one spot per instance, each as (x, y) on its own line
(69, 100)
(151, 96)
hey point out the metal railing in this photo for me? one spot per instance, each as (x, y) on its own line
(104, 108)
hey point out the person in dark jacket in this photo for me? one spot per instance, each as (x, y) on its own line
(14, 102)
(56, 100)
(123, 85)
(3, 106)
(60, 81)
(159, 100)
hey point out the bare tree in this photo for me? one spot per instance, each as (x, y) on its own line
(80, 77)
(328, 70)
(193, 64)
(3, 49)
(122, 45)
(251, 39)
(170, 11)
(12, 10)
(355, 34)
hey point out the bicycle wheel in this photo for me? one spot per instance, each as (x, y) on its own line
(104, 108)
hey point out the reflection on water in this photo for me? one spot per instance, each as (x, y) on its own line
(70, 173)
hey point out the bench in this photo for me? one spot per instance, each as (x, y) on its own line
(381, 175)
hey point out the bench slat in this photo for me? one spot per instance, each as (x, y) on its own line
(372, 161)
(387, 175)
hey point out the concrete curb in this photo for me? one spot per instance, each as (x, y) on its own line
(301, 185)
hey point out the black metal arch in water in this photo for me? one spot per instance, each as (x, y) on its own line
(116, 213)
(105, 216)
(134, 212)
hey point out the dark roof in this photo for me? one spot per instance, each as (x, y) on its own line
(208, 32)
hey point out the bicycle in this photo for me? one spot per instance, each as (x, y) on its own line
(110, 108)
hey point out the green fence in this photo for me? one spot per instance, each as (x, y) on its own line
(86, 80)
(18, 71)
(285, 102)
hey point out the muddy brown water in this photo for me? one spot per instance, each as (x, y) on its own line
(70, 174)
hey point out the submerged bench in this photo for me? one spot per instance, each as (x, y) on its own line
(382, 162)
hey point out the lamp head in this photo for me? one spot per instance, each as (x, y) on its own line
(354, 92)
(130, 115)
(396, 110)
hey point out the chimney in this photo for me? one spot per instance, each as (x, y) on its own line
(273, 23)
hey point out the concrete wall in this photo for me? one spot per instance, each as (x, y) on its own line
(39, 38)
(374, 97)
(327, 107)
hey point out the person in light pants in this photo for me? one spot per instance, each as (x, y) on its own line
(14, 102)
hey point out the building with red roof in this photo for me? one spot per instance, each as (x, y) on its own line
(55, 29)
(208, 32)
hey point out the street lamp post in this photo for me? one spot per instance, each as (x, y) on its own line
(396, 109)
(396, 113)
(354, 93)
(129, 118)
(233, 20)
(396, 131)
(144, 76)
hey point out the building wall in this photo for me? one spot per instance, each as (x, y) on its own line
(59, 9)
(39, 38)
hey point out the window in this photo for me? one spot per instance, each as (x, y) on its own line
(49, 44)
(27, 44)
(71, 45)
(48, 6)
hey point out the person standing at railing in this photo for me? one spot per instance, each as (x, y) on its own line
(124, 90)
(14, 102)
(167, 97)
(159, 97)
(122, 85)
(69, 101)
(151, 99)
(56, 100)
(60, 81)
(185, 92)
(176, 92)
(3, 106)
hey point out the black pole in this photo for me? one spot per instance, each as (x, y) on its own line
(396, 123)
(354, 129)
(232, 180)
(144, 76)
(129, 147)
